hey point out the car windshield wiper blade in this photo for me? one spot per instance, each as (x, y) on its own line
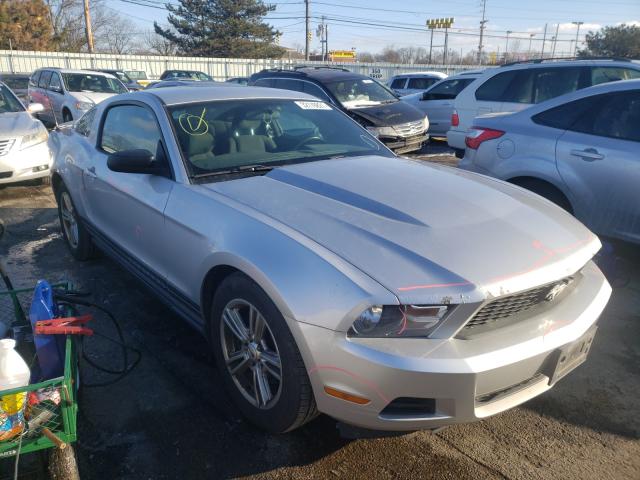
(239, 169)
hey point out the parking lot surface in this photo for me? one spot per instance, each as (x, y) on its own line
(169, 418)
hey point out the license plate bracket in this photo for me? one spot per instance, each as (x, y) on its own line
(570, 356)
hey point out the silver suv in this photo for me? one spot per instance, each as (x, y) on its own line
(514, 87)
(579, 150)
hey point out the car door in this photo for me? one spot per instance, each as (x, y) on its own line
(55, 93)
(41, 96)
(598, 160)
(127, 209)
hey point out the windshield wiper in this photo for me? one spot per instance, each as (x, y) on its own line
(234, 170)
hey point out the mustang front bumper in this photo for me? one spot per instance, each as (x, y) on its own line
(413, 384)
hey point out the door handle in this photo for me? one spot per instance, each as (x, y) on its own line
(588, 154)
(91, 172)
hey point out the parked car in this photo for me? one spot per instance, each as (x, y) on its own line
(239, 80)
(328, 274)
(516, 86)
(139, 76)
(437, 101)
(188, 83)
(185, 74)
(18, 83)
(24, 154)
(128, 82)
(400, 126)
(67, 94)
(415, 82)
(579, 151)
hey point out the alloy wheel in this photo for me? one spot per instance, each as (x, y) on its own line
(251, 353)
(69, 222)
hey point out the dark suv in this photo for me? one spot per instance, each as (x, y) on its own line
(399, 125)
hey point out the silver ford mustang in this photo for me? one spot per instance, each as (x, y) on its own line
(328, 274)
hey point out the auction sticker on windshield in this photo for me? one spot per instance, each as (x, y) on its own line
(313, 105)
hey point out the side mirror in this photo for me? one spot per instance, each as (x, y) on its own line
(135, 161)
(35, 108)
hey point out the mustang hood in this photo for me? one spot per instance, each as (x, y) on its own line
(428, 233)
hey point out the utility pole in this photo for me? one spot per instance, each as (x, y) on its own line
(307, 31)
(575, 52)
(430, 44)
(555, 40)
(506, 47)
(446, 43)
(482, 27)
(544, 39)
(87, 21)
(531, 35)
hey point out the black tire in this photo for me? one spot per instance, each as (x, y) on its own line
(82, 246)
(294, 404)
(547, 191)
(63, 464)
(66, 116)
(459, 152)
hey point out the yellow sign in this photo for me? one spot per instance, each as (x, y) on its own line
(440, 23)
(342, 53)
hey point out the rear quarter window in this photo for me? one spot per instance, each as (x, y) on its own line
(43, 82)
(398, 83)
(611, 74)
(33, 81)
(494, 89)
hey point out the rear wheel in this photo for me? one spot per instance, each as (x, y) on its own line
(257, 357)
(75, 234)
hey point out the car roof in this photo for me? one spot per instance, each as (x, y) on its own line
(182, 94)
(418, 74)
(70, 70)
(317, 73)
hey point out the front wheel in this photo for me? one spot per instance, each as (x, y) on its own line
(75, 234)
(257, 357)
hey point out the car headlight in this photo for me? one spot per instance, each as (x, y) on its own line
(31, 139)
(399, 321)
(84, 106)
(382, 131)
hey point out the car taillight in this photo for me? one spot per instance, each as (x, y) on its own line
(455, 119)
(477, 135)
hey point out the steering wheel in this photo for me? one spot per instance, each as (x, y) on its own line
(304, 141)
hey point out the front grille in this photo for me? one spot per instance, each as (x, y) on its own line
(409, 129)
(5, 146)
(511, 305)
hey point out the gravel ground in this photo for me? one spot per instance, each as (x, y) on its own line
(169, 419)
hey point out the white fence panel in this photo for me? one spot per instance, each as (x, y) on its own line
(219, 68)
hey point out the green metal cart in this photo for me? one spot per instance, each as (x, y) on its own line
(50, 424)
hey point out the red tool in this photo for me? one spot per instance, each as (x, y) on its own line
(64, 326)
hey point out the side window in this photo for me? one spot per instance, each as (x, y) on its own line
(421, 83)
(495, 87)
(398, 83)
(553, 82)
(54, 83)
(611, 74)
(616, 116)
(564, 116)
(264, 82)
(128, 127)
(316, 91)
(33, 81)
(447, 90)
(44, 79)
(288, 84)
(83, 126)
(520, 89)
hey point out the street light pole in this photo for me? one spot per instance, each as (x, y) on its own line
(482, 27)
(575, 52)
(307, 31)
(506, 47)
(531, 35)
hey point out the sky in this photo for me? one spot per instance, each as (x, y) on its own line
(370, 25)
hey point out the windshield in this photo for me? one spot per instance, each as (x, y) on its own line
(16, 83)
(8, 101)
(226, 135)
(89, 82)
(123, 77)
(361, 92)
(137, 74)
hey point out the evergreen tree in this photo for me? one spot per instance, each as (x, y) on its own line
(620, 41)
(221, 28)
(25, 25)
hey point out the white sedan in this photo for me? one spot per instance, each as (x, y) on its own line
(24, 154)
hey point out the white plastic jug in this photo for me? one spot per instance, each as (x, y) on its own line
(14, 373)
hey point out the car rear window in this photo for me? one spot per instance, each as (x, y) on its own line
(398, 83)
(421, 83)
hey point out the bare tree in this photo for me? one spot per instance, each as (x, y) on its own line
(116, 36)
(158, 45)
